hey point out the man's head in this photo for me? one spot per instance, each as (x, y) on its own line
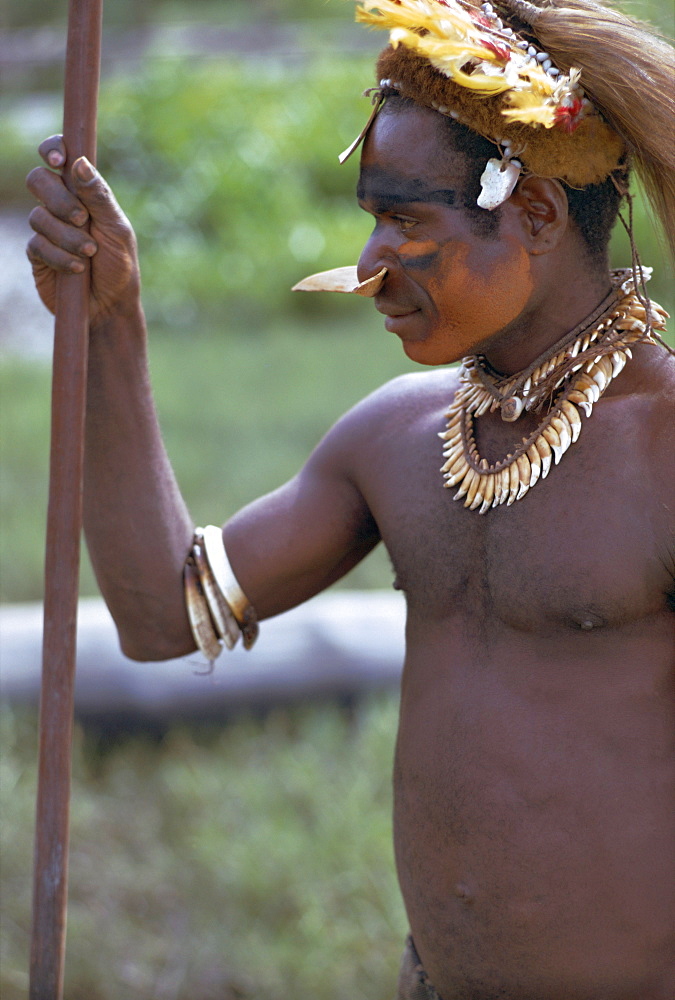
(495, 166)
(561, 90)
(453, 284)
(593, 209)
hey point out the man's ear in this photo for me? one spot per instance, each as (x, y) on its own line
(542, 205)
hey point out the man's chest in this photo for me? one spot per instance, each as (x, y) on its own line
(585, 548)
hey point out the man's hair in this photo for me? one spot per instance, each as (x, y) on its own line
(593, 209)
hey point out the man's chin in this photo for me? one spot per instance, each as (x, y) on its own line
(424, 343)
(432, 355)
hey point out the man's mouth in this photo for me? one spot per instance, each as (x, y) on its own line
(398, 320)
(392, 311)
(398, 314)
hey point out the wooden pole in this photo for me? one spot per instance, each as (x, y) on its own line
(64, 521)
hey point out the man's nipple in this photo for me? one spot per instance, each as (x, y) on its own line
(463, 893)
(588, 621)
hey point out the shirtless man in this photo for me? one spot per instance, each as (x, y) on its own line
(534, 812)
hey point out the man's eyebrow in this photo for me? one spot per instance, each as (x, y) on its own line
(386, 192)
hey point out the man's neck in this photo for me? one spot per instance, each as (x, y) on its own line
(566, 301)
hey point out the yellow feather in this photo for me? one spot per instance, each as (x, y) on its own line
(419, 14)
(528, 108)
(449, 39)
(449, 58)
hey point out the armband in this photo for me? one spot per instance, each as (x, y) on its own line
(218, 610)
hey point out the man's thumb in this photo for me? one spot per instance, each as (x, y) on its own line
(83, 171)
(90, 187)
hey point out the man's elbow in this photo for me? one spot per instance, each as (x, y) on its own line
(147, 648)
(148, 638)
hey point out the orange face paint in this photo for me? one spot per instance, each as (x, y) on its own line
(476, 295)
(412, 251)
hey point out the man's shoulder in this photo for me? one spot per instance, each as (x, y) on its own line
(665, 384)
(395, 407)
(400, 404)
(644, 414)
(661, 404)
(654, 380)
(420, 390)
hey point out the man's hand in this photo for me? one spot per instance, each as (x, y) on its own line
(63, 240)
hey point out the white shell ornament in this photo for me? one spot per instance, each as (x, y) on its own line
(512, 408)
(497, 182)
(342, 279)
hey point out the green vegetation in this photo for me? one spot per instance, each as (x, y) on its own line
(240, 414)
(229, 173)
(253, 863)
(134, 13)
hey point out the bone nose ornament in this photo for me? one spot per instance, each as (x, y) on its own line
(342, 279)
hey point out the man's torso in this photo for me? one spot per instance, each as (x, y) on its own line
(534, 807)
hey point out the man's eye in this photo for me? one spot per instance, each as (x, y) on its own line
(404, 223)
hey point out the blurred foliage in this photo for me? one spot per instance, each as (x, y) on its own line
(132, 13)
(253, 863)
(230, 175)
(239, 413)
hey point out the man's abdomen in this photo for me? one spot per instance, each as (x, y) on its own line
(535, 817)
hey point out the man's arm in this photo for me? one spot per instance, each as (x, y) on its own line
(137, 527)
(294, 542)
(284, 548)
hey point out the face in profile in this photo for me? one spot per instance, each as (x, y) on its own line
(450, 288)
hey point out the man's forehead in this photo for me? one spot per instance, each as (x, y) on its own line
(408, 156)
(386, 184)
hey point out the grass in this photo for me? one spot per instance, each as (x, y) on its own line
(251, 862)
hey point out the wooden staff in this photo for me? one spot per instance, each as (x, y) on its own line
(64, 521)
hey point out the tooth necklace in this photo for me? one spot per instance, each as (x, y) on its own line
(571, 374)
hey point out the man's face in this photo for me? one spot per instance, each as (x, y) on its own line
(449, 290)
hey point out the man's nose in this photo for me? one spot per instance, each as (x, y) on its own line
(379, 251)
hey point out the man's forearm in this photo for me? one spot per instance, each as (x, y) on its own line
(136, 523)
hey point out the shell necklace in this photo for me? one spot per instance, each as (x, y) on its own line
(569, 376)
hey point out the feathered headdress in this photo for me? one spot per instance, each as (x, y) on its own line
(566, 90)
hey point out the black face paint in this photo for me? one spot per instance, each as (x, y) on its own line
(385, 191)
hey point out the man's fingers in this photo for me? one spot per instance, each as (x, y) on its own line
(64, 242)
(41, 252)
(71, 238)
(53, 151)
(90, 195)
(49, 188)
